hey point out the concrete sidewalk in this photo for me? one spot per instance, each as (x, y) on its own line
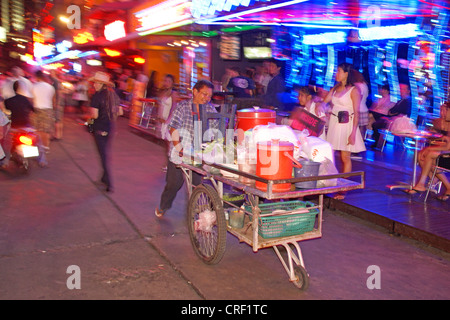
(56, 217)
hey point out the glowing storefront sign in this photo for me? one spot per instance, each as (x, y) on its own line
(400, 31)
(115, 30)
(83, 37)
(203, 8)
(169, 14)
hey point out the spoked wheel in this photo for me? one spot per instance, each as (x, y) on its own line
(206, 223)
(302, 281)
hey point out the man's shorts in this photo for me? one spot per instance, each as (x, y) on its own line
(43, 120)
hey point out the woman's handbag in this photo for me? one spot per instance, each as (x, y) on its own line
(343, 116)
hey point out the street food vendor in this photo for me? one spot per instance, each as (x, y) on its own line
(181, 128)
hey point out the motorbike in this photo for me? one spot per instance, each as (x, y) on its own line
(24, 146)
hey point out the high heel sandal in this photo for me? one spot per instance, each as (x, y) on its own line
(444, 197)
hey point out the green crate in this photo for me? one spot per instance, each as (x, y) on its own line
(286, 225)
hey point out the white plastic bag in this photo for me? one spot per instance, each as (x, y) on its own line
(272, 131)
(403, 124)
(206, 221)
(327, 168)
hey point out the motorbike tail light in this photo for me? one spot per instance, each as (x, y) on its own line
(26, 140)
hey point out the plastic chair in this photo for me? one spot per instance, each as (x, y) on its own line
(225, 117)
(443, 165)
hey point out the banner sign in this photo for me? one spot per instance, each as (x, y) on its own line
(306, 120)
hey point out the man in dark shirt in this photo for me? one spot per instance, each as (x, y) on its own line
(240, 85)
(401, 108)
(276, 86)
(20, 107)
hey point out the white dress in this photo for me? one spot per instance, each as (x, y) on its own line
(338, 133)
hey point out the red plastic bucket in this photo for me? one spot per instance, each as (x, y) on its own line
(273, 164)
(252, 117)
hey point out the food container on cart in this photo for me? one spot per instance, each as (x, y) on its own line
(274, 162)
(247, 119)
(308, 169)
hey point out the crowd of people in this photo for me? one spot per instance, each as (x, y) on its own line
(40, 102)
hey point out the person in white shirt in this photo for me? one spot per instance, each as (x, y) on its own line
(25, 85)
(361, 84)
(44, 100)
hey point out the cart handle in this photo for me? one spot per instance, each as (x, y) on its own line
(296, 163)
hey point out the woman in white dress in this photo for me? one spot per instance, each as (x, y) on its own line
(343, 129)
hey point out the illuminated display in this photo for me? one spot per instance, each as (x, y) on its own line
(168, 14)
(112, 53)
(115, 30)
(204, 8)
(83, 37)
(409, 30)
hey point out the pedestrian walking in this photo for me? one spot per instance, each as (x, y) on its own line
(80, 96)
(105, 108)
(59, 104)
(25, 85)
(44, 101)
(181, 128)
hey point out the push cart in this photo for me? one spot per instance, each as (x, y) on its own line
(281, 221)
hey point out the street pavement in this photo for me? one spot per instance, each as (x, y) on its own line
(64, 238)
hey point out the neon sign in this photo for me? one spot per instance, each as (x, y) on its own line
(115, 30)
(168, 14)
(202, 8)
(83, 37)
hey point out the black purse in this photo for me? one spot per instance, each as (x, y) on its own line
(343, 116)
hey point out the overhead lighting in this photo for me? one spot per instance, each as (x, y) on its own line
(112, 53)
(139, 60)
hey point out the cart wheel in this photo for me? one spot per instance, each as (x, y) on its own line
(208, 244)
(302, 281)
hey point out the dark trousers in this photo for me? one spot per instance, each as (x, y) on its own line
(174, 181)
(378, 125)
(103, 143)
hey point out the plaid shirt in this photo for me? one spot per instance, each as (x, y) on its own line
(182, 120)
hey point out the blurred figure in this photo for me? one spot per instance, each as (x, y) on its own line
(105, 108)
(226, 78)
(427, 156)
(262, 79)
(152, 85)
(4, 128)
(401, 108)
(361, 84)
(276, 87)
(242, 86)
(44, 103)
(306, 99)
(25, 85)
(380, 107)
(59, 104)
(21, 110)
(80, 95)
(168, 98)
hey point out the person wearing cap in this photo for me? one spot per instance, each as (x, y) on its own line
(105, 108)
